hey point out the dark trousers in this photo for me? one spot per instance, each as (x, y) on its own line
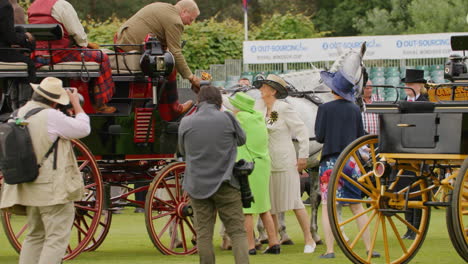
(227, 201)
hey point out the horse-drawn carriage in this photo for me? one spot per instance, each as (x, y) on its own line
(132, 150)
(425, 145)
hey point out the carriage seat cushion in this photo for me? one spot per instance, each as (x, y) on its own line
(416, 107)
(13, 66)
(126, 62)
(72, 66)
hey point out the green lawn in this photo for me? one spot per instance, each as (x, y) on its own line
(128, 242)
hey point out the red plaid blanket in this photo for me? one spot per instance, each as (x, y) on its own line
(104, 89)
(169, 106)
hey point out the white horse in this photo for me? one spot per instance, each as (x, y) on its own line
(306, 93)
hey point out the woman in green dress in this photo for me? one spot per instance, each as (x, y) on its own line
(256, 149)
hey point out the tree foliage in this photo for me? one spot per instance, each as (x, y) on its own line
(336, 16)
(433, 16)
(211, 42)
(285, 26)
(385, 21)
(415, 17)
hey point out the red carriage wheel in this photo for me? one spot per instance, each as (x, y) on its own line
(87, 211)
(168, 214)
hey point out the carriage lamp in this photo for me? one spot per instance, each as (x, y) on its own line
(379, 169)
(156, 61)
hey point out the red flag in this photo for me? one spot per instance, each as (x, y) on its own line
(244, 4)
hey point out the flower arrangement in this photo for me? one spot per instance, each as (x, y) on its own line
(273, 117)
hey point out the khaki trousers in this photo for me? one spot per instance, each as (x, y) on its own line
(227, 201)
(49, 233)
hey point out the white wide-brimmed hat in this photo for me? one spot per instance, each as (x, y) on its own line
(52, 89)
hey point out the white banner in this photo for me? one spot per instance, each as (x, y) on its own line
(326, 49)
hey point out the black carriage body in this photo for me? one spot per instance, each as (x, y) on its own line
(442, 129)
(113, 136)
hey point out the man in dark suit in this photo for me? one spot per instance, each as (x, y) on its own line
(14, 38)
(415, 79)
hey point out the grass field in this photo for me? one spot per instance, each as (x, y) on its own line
(128, 242)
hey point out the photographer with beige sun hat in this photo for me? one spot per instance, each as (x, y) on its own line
(48, 200)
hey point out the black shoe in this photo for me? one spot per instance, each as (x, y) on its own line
(327, 256)
(276, 249)
(374, 254)
(287, 242)
(139, 210)
(410, 234)
(252, 251)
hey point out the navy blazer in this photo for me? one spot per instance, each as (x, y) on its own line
(338, 123)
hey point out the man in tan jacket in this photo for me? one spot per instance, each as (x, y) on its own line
(166, 22)
(48, 200)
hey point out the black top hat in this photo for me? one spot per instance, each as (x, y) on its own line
(414, 76)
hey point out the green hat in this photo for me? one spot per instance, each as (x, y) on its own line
(243, 102)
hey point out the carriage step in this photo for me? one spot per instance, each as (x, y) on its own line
(441, 204)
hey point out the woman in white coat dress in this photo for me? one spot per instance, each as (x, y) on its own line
(283, 124)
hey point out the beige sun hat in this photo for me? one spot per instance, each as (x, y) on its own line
(52, 89)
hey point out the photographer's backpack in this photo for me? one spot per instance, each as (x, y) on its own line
(18, 162)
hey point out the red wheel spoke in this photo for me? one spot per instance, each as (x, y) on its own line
(190, 226)
(84, 164)
(79, 228)
(164, 202)
(90, 185)
(182, 234)
(174, 233)
(177, 185)
(69, 250)
(17, 235)
(162, 215)
(87, 208)
(168, 189)
(163, 230)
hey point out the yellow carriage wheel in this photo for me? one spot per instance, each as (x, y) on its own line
(457, 213)
(375, 221)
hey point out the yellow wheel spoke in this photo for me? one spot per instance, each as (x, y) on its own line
(398, 236)
(372, 152)
(374, 237)
(410, 226)
(385, 238)
(359, 235)
(358, 162)
(346, 177)
(349, 200)
(356, 216)
(416, 183)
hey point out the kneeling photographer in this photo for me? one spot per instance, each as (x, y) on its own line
(208, 140)
(48, 199)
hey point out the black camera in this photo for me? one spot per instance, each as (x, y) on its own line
(456, 67)
(242, 170)
(65, 108)
(156, 61)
